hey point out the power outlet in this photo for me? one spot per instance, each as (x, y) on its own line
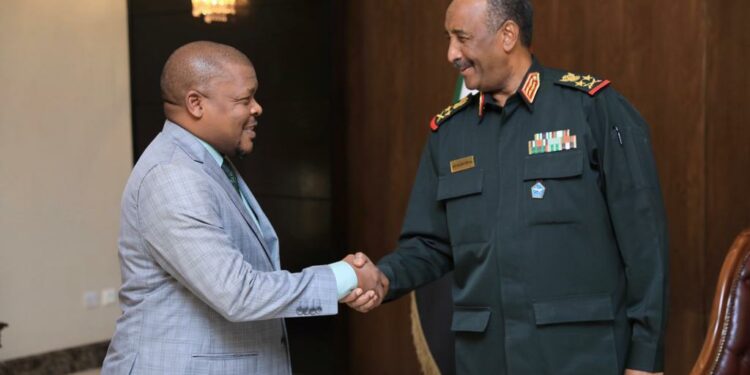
(109, 296)
(90, 299)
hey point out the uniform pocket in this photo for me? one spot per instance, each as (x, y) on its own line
(561, 164)
(464, 204)
(559, 176)
(460, 184)
(470, 319)
(574, 309)
(576, 334)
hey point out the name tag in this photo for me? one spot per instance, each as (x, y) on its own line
(462, 164)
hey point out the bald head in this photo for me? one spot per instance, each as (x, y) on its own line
(194, 66)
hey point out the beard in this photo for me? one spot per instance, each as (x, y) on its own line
(240, 153)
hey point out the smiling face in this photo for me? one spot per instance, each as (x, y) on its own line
(230, 111)
(477, 52)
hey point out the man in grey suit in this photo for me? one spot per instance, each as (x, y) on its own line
(203, 291)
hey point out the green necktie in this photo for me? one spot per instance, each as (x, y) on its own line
(227, 168)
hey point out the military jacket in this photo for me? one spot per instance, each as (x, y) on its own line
(549, 212)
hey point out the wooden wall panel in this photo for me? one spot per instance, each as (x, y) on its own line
(397, 79)
(727, 123)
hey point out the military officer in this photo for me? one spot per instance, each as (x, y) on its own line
(541, 193)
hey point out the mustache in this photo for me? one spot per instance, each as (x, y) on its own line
(461, 64)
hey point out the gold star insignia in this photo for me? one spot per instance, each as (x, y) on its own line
(570, 77)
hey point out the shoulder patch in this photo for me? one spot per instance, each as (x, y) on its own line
(449, 111)
(587, 83)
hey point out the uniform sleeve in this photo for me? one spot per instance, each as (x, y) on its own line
(424, 253)
(180, 222)
(637, 213)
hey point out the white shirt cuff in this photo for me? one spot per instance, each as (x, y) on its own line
(346, 278)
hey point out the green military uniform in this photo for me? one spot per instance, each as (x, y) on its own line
(550, 213)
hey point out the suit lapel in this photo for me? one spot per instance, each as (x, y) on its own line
(188, 143)
(269, 234)
(215, 171)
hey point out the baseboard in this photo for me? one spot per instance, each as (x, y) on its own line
(63, 361)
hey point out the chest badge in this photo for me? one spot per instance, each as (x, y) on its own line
(555, 141)
(538, 190)
(462, 164)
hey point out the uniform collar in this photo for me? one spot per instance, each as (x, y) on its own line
(527, 91)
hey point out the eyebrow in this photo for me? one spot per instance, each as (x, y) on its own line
(458, 32)
(247, 93)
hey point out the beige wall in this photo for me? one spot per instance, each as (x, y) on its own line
(65, 153)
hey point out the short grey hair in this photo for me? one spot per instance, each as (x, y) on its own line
(518, 11)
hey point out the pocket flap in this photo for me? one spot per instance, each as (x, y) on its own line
(470, 319)
(553, 165)
(574, 309)
(459, 184)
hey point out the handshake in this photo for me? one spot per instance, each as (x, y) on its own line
(372, 285)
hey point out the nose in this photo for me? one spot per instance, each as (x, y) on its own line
(454, 53)
(255, 109)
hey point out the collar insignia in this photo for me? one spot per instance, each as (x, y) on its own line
(530, 87)
(482, 101)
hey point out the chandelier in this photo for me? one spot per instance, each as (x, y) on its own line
(213, 10)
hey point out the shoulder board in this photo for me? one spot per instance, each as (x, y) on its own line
(587, 83)
(449, 111)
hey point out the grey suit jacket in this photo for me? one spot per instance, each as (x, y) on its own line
(202, 291)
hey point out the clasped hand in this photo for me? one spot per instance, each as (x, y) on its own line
(372, 285)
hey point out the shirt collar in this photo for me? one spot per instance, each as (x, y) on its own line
(212, 151)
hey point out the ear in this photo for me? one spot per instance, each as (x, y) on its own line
(510, 33)
(194, 103)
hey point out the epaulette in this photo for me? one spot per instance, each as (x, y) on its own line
(448, 112)
(585, 83)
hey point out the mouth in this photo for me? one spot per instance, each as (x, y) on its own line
(250, 128)
(465, 70)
